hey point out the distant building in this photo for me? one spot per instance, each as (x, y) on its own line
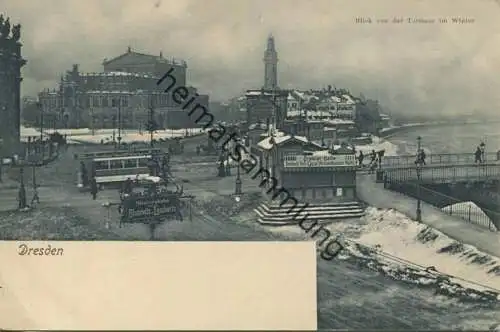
(319, 115)
(11, 62)
(120, 95)
(326, 104)
(264, 105)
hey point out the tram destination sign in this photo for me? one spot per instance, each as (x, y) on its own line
(145, 209)
(340, 160)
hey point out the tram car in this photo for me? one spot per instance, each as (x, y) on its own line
(113, 168)
(150, 201)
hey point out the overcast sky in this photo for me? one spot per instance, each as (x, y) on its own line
(425, 68)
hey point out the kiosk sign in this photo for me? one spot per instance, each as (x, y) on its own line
(142, 208)
(295, 161)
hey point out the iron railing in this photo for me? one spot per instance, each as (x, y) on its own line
(445, 173)
(484, 217)
(438, 159)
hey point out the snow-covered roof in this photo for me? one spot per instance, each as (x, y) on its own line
(340, 121)
(292, 113)
(301, 95)
(322, 153)
(110, 92)
(117, 73)
(257, 126)
(280, 138)
(348, 99)
(28, 131)
(258, 93)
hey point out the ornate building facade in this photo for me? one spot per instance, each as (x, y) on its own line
(11, 62)
(120, 95)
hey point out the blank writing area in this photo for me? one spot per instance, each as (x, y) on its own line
(159, 285)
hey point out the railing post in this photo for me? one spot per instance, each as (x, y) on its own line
(469, 213)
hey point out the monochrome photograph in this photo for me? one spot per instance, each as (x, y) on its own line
(371, 128)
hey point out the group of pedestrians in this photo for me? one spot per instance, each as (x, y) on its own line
(420, 160)
(479, 154)
(375, 160)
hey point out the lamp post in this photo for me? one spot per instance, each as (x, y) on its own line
(119, 138)
(114, 132)
(41, 130)
(22, 189)
(419, 169)
(237, 191)
(92, 118)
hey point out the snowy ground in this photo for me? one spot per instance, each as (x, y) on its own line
(84, 135)
(377, 145)
(393, 239)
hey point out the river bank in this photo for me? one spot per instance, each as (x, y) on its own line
(390, 131)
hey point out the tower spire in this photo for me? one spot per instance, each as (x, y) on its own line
(270, 65)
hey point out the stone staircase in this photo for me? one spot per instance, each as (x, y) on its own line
(273, 214)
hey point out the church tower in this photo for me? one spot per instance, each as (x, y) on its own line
(271, 65)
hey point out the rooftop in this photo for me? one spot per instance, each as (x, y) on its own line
(146, 57)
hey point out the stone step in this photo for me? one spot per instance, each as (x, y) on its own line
(286, 208)
(309, 214)
(319, 218)
(273, 205)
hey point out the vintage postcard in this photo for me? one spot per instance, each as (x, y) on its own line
(368, 128)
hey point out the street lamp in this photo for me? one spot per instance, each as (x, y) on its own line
(119, 138)
(419, 170)
(41, 129)
(237, 191)
(113, 118)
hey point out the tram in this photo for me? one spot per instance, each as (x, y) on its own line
(117, 153)
(112, 168)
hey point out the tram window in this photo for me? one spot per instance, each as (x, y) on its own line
(101, 165)
(143, 162)
(116, 164)
(130, 163)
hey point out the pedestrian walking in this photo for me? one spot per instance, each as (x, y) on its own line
(478, 155)
(127, 186)
(93, 189)
(422, 157)
(380, 156)
(373, 156)
(482, 146)
(420, 160)
(360, 158)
